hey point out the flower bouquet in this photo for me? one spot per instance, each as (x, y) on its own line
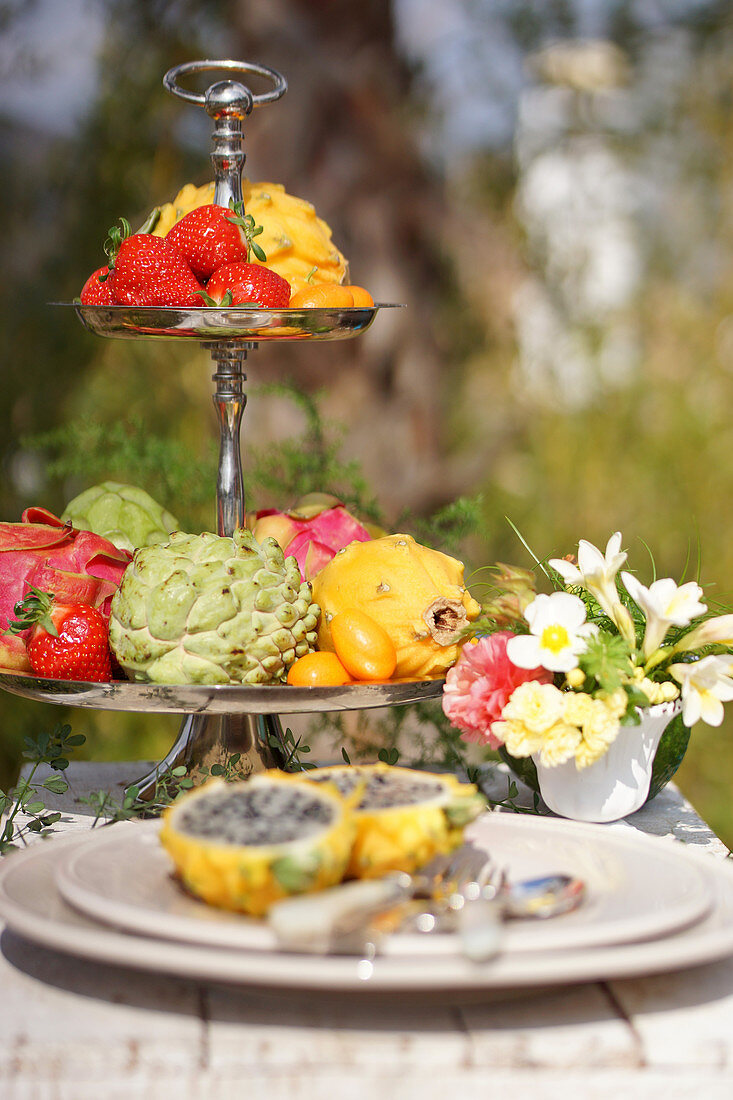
(585, 680)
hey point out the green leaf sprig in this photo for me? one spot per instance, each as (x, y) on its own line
(247, 223)
(509, 803)
(115, 236)
(23, 808)
(170, 784)
(35, 607)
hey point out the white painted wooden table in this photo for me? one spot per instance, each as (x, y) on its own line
(73, 1030)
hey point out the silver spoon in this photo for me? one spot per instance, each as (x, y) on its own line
(482, 909)
(531, 898)
(545, 896)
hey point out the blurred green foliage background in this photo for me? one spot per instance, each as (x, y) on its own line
(546, 186)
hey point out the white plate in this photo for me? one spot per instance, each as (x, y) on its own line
(34, 909)
(637, 888)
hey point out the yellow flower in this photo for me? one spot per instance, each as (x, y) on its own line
(617, 702)
(585, 755)
(575, 677)
(665, 692)
(604, 722)
(559, 744)
(657, 693)
(670, 692)
(560, 725)
(517, 738)
(534, 705)
(577, 708)
(598, 733)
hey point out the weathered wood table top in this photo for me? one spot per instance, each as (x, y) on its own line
(72, 1029)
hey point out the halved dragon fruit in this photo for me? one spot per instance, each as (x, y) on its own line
(311, 532)
(77, 566)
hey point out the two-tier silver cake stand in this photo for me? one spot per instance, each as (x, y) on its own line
(221, 720)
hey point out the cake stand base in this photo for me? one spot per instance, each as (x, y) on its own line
(207, 739)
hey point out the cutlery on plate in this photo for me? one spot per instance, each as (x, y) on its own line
(339, 918)
(461, 893)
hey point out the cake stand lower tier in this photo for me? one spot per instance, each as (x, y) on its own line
(229, 718)
(221, 719)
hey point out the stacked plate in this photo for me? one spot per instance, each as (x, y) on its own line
(651, 905)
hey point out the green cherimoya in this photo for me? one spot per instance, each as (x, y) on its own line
(205, 609)
(124, 514)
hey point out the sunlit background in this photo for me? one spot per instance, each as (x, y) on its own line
(547, 187)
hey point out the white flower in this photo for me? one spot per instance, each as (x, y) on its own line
(665, 604)
(594, 569)
(597, 572)
(706, 685)
(718, 630)
(558, 634)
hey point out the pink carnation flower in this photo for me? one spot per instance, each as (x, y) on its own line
(480, 684)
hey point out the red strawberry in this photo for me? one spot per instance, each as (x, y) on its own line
(97, 290)
(67, 641)
(149, 271)
(235, 284)
(210, 236)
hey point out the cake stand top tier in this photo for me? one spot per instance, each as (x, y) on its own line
(204, 699)
(230, 323)
(228, 102)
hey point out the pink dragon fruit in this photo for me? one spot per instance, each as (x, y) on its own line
(312, 531)
(77, 566)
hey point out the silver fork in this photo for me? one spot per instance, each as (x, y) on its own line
(466, 874)
(475, 909)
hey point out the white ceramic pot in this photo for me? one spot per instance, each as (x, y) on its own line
(618, 783)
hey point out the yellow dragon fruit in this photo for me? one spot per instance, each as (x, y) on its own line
(403, 817)
(295, 240)
(312, 531)
(416, 594)
(245, 845)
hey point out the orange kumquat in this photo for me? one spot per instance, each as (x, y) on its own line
(325, 296)
(364, 648)
(320, 669)
(361, 296)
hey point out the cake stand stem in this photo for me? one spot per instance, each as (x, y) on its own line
(211, 738)
(206, 739)
(229, 401)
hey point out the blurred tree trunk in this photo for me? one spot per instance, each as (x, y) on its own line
(342, 138)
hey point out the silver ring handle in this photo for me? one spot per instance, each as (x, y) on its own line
(170, 80)
(228, 103)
